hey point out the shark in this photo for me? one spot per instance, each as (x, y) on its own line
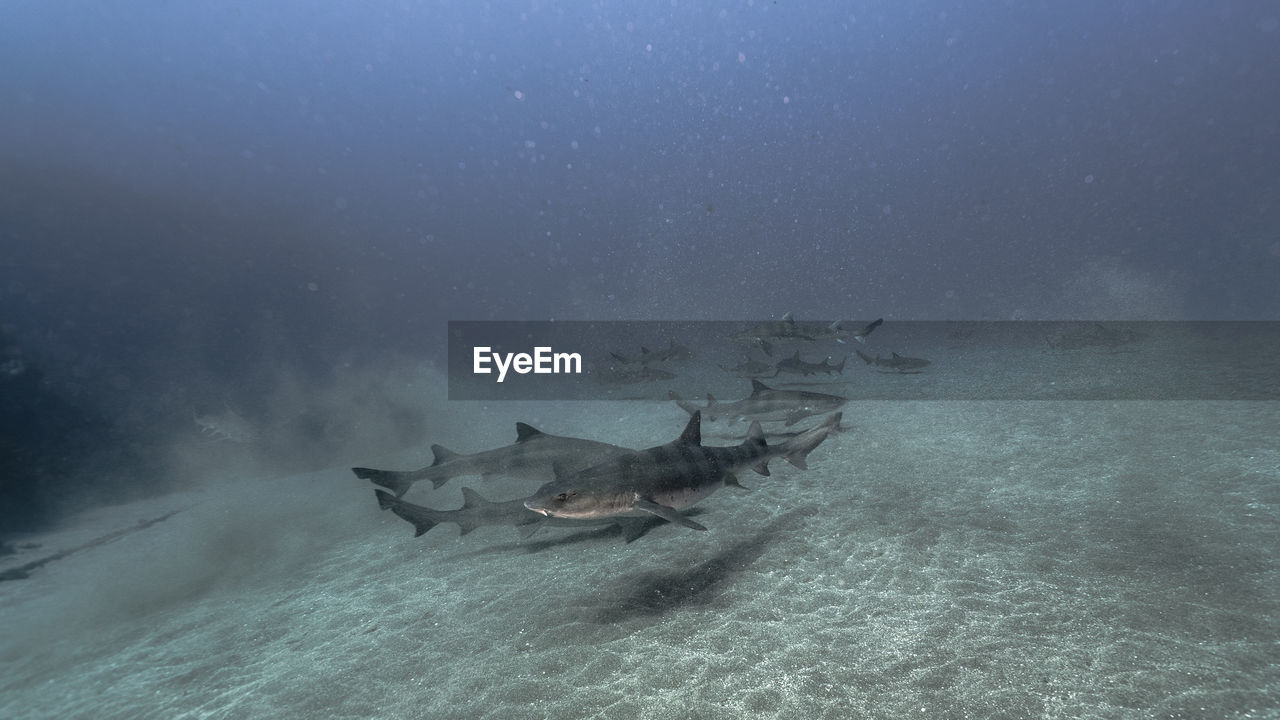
(766, 404)
(477, 511)
(662, 480)
(795, 365)
(673, 353)
(750, 368)
(896, 362)
(533, 455)
(785, 329)
(836, 331)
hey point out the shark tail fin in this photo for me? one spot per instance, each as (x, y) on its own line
(755, 443)
(797, 449)
(684, 404)
(394, 480)
(417, 515)
(712, 408)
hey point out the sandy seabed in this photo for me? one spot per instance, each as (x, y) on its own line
(937, 560)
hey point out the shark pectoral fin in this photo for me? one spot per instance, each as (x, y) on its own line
(731, 480)
(668, 514)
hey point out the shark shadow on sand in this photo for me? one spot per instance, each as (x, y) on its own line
(654, 594)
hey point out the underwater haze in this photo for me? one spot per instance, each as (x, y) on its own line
(232, 235)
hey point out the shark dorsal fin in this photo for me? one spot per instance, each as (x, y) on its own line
(442, 454)
(835, 325)
(711, 400)
(758, 387)
(692, 434)
(896, 356)
(788, 319)
(524, 431)
(644, 350)
(796, 357)
(472, 499)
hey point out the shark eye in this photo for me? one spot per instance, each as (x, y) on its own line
(564, 496)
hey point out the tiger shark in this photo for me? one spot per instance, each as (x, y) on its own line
(750, 368)
(760, 335)
(766, 405)
(674, 352)
(896, 362)
(795, 365)
(836, 331)
(477, 511)
(532, 456)
(661, 480)
(788, 329)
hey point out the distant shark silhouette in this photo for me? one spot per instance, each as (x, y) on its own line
(788, 329)
(766, 405)
(672, 353)
(797, 366)
(896, 362)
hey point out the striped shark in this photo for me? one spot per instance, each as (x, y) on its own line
(665, 479)
(674, 352)
(533, 456)
(477, 511)
(788, 329)
(766, 405)
(896, 362)
(797, 366)
(749, 368)
(836, 331)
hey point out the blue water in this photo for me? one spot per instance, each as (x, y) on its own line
(266, 213)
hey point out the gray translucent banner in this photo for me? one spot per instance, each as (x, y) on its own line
(963, 360)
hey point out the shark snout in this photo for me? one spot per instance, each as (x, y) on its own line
(531, 505)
